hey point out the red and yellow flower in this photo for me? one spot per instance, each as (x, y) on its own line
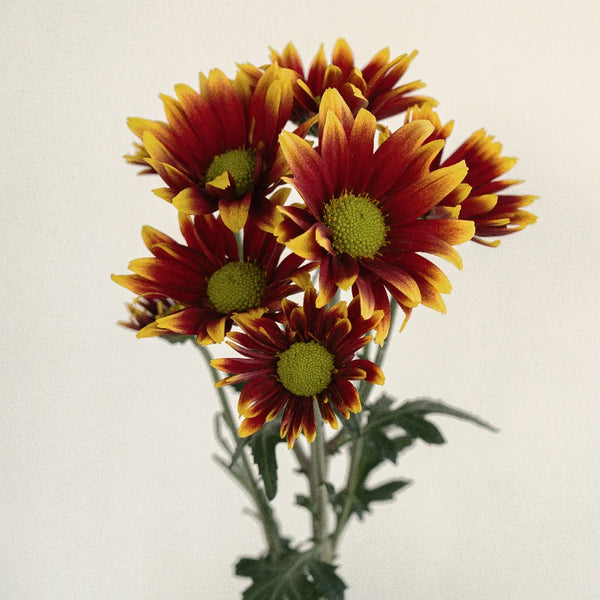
(145, 310)
(362, 215)
(218, 149)
(481, 197)
(494, 212)
(309, 356)
(373, 87)
(206, 279)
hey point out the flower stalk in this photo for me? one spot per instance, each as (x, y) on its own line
(247, 479)
(317, 477)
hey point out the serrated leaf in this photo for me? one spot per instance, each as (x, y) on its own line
(293, 575)
(390, 447)
(428, 406)
(385, 491)
(249, 567)
(378, 445)
(382, 405)
(326, 581)
(263, 444)
(421, 407)
(421, 428)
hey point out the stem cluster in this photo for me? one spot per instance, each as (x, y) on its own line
(329, 517)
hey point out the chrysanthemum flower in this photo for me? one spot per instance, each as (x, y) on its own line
(219, 149)
(309, 356)
(362, 216)
(480, 198)
(494, 212)
(207, 279)
(373, 87)
(145, 310)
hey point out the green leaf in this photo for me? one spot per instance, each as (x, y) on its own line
(377, 449)
(381, 443)
(263, 444)
(293, 575)
(389, 447)
(419, 408)
(385, 491)
(304, 502)
(418, 427)
(326, 581)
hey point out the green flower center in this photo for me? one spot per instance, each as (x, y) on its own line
(305, 368)
(236, 287)
(240, 164)
(357, 225)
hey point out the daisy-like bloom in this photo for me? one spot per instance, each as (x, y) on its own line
(144, 311)
(206, 280)
(219, 150)
(308, 356)
(362, 218)
(481, 197)
(494, 212)
(375, 86)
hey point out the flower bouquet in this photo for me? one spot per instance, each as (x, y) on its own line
(306, 224)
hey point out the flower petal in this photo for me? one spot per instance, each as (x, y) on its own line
(313, 185)
(235, 212)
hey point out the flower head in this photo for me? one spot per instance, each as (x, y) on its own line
(308, 356)
(494, 212)
(218, 149)
(373, 87)
(145, 310)
(362, 215)
(481, 196)
(208, 281)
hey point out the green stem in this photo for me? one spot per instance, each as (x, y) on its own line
(317, 477)
(247, 478)
(301, 457)
(364, 390)
(353, 473)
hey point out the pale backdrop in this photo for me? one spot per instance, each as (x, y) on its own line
(108, 489)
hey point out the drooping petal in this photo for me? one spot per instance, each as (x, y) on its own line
(306, 245)
(345, 270)
(191, 202)
(235, 212)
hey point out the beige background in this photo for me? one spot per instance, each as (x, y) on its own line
(108, 489)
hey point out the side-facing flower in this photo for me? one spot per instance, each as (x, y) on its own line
(145, 310)
(362, 218)
(505, 215)
(218, 149)
(309, 355)
(484, 201)
(207, 278)
(375, 86)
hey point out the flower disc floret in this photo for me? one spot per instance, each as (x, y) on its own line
(357, 225)
(237, 287)
(305, 368)
(240, 164)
